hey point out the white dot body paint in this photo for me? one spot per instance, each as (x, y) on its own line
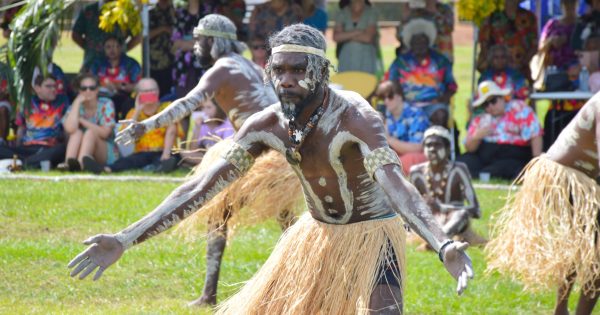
(328, 199)
(322, 182)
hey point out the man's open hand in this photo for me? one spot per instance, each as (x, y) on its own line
(104, 250)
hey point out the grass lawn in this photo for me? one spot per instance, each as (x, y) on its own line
(44, 222)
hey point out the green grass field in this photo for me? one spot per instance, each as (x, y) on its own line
(44, 222)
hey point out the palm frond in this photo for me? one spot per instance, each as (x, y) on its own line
(36, 30)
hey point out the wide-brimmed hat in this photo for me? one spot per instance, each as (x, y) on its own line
(418, 26)
(487, 89)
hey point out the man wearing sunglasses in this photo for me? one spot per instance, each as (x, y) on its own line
(503, 137)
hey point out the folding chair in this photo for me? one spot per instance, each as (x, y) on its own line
(363, 83)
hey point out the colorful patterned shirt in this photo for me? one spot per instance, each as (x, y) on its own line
(423, 82)
(410, 126)
(43, 121)
(154, 140)
(519, 35)
(508, 78)
(128, 71)
(517, 126)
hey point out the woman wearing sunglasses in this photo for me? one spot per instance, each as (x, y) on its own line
(501, 140)
(89, 124)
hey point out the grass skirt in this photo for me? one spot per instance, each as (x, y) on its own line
(548, 229)
(319, 268)
(270, 189)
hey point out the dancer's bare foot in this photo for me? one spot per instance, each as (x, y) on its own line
(203, 301)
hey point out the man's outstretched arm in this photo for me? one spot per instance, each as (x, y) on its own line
(105, 249)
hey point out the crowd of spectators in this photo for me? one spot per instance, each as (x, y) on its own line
(415, 92)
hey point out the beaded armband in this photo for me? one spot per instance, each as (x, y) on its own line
(380, 157)
(239, 157)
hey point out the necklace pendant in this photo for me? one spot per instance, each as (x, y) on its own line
(292, 156)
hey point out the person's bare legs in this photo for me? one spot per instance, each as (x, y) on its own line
(562, 296)
(386, 300)
(215, 246)
(94, 146)
(73, 145)
(587, 302)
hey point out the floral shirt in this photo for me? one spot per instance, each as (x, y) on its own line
(128, 71)
(43, 121)
(423, 82)
(410, 126)
(160, 46)
(519, 35)
(154, 140)
(517, 126)
(508, 78)
(86, 24)
(265, 22)
(564, 56)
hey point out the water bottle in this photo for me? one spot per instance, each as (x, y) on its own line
(584, 80)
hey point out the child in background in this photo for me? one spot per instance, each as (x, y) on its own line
(210, 125)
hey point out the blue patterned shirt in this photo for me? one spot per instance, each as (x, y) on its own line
(410, 126)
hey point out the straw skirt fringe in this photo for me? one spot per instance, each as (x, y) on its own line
(319, 268)
(269, 189)
(549, 228)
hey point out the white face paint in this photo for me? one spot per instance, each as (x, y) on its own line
(322, 181)
(328, 199)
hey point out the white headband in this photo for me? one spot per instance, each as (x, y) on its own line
(206, 32)
(437, 131)
(300, 49)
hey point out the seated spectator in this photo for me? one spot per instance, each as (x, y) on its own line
(87, 34)
(313, 15)
(153, 149)
(404, 124)
(503, 139)
(555, 50)
(438, 12)
(117, 74)
(514, 27)
(40, 134)
(89, 123)
(425, 74)
(258, 50)
(272, 16)
(503, 74)
(446, 187)
(211, 125)
(356, 34)
(62, 85)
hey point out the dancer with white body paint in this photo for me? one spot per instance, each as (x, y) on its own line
(346, 256)
(446, 187)
(270, 189)
(547, 234)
